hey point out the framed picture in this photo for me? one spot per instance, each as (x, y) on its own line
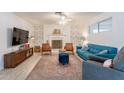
(56, 32)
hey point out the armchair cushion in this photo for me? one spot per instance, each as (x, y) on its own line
(118, 61)
(95, 62)
(69, 46)
(46, 47)
(119, 56)
(119, 66)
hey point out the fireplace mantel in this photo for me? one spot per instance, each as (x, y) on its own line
(54, 36)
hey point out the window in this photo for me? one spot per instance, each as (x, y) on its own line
(105, 25)
(94, 29)
(102, 26)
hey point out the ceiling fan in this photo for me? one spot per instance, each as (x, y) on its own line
(63, 18)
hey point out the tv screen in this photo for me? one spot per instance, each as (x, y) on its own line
(19, 36)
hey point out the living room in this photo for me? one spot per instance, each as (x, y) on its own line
(61, 46)
(58, 29)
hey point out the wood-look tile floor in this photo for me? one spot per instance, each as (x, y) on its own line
(22, 70)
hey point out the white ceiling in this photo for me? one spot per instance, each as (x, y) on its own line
(51, 18)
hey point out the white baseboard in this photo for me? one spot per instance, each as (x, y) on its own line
(1, 68)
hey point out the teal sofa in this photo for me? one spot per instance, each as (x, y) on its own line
(94, 50)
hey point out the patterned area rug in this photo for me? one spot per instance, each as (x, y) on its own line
(49, 68)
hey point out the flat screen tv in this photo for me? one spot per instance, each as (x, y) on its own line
(19, 36)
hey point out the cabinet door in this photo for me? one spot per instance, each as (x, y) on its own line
(18, 58)
(31, 51)
(22, 54)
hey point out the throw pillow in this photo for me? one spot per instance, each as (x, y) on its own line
(107, 63)
(103, 52)
(85, 48)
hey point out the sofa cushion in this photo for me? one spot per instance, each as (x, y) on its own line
(98, 59)
(93, 50)
(80, 51)
(111, 50)
(87, 54)
(118, 61)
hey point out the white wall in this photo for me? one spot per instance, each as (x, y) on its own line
(38, 34)
(76, 32)
(48, 30)
(7, 22)
(111, 38)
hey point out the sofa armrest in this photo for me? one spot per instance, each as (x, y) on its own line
(93, 71)
(78, 47)
(110, 56)
(97, 58)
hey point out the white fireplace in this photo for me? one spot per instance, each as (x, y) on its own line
(49, 35)
(60, 38)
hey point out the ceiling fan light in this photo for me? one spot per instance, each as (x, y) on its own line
(62, 17)
(63, 22)
(60, 22)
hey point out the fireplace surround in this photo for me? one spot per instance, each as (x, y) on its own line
(57, 41)
(56, 44)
